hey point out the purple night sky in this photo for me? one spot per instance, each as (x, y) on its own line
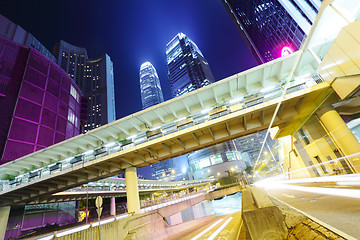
(132, 32)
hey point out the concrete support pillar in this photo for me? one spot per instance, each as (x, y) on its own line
(4, 218)
(293, 165)
(132, 191)
(112, 207)
(341, 135)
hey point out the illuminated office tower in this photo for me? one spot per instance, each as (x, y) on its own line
(187, 68)
(99, 89)
(95, 79)
(150, 89)
(272, 28)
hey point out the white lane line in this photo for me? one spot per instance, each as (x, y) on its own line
(206, 230)
(219, 229)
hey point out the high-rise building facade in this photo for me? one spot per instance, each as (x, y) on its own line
(17, 34)
(99, 89)
(187, 68)
(40, 104)
(150, 88)
(95, 79)
(272, 28)
(73, 60)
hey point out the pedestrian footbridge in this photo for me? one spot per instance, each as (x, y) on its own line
(236, 106)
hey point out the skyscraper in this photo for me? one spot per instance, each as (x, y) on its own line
(99, 89)
(150, 89)
(187, 68)
(73, 60)
(95, 79)
(271, 28)
(40, 104)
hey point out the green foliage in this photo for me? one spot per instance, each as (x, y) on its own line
(144, 197)
(248, 170)
(9, 177)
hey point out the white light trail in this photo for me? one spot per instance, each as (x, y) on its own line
(73, 230)
(213, 236)
(206, 230)
(353, 193)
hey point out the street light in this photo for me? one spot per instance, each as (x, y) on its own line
(172, 171)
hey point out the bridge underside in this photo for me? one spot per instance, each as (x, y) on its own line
(294, 109)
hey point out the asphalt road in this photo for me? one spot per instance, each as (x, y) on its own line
(342, 213)
(230, 232)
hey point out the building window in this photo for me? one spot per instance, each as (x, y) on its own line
(303, 136)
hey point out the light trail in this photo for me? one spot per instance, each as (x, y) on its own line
(213, 236)
(206, 230)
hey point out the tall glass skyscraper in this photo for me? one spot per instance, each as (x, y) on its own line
(95, 79)
(272, 27)
(99, 89)
(187, 68)
(150, 89)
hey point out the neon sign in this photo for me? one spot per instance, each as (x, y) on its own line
(285, 51)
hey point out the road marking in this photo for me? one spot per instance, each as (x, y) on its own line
(206, 230)
(219, 229)
(288, 195)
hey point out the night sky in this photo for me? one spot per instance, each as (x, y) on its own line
(132, 32)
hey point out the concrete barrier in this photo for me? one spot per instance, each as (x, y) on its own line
(222, 192)
(264, 223)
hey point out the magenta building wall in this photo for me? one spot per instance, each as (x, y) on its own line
(40, 104)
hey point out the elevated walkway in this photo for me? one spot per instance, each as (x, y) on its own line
(236, 122)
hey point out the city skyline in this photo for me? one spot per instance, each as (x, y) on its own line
(217, 37)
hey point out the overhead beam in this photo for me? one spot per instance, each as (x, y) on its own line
(173, 112)
(211, 133)
(122, 129)
(281, 110)
(127, 161)
(227, 128)
(181, 142)
(149, 123)
(299, 104)
(159, 116)
(92, 172)
(196, 138)
(153, 152)
(117, 165)
(215, 96)
(167, 148)
(99, 167)
(186, 106)
(140, 156)
(262, 117)
(134, 125)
